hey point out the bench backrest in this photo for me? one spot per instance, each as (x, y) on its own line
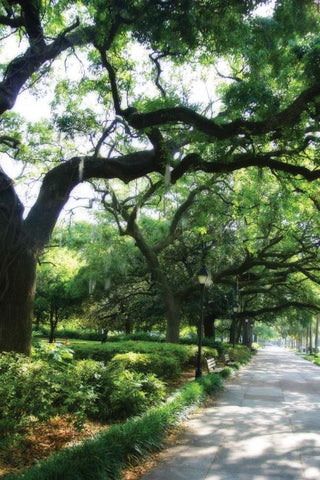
(211, 364)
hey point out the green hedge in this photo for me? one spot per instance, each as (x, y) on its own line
(104, 457)
(167, 353)
(164, 367)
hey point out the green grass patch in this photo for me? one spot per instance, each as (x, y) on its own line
(315, 358)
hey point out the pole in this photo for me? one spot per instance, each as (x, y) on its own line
(199, 368)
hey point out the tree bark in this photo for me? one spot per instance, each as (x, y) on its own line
(18, 260)
(310, 339)
(173, 318)
(16, 304)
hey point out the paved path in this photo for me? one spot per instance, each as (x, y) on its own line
(265, 426)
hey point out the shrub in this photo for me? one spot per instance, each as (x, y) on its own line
(119, 393)
(132, 394)
(238, 353)
(163, 366)
(104, 457)
(226, 372)
(44, 331)
(183, 354)
(56, 352)
(33, 390)
(211, 383)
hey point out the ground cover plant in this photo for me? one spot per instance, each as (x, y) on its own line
(123, 445)
(34, 390)
(53, 395)
(314, 358)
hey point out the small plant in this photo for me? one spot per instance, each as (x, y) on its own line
(211, 383)
(53, 351)
(226, 372)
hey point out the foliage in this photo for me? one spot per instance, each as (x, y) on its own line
(55, 352)
(105, 456)
(239, 353)
(68, 333)
(107, 351)
(57, 293)
(211, 383)
(226, 372)
(313, 358)
(163, 366)
(34, 390)
(132, 393)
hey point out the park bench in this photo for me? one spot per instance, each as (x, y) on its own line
(212, 366)
(228, 361)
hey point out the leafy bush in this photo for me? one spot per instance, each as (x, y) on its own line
(142, 336)
(104, 457)
(163, 367)
(206, 342)
(183, 354)
(32, 390)
(132, 393)
(56, 352)
(68, 333)
(226, 372)
(238, 353)
(119, 393)
(211, 383)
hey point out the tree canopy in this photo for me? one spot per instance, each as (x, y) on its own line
(153, 88)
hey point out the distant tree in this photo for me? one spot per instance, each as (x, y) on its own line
(57, 293)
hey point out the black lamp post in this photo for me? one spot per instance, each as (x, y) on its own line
(203, 276)
(236, 309)
(251, 335)
(246, 333)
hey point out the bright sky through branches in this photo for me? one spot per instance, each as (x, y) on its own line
(198, 83)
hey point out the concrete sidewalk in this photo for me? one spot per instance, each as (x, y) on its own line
(265, 425)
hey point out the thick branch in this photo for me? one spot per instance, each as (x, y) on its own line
(11, 22)
(23, 67)
(287, 117)
(176, 219)
(59, 182)
(32, 23)
(194, 161)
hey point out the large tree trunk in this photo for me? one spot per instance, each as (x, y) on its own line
(173, 318)
(18, 261)
(127, 325)
(16, 303)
